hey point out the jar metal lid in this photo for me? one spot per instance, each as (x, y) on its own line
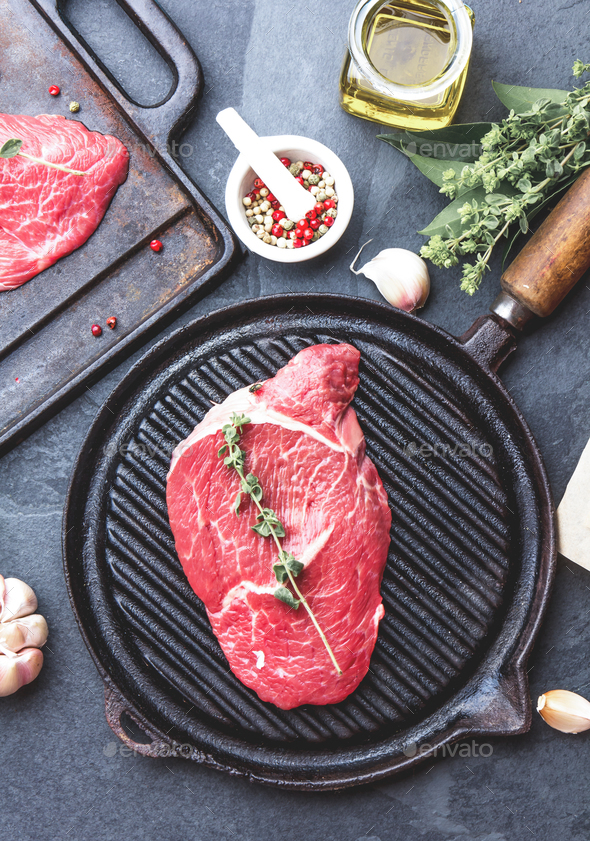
(458, 18)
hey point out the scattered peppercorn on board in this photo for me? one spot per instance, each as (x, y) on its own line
(158, 248)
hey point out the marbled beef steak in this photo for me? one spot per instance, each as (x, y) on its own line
(306, 447)
(45, 213)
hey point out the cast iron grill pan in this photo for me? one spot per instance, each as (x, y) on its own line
(466, 493)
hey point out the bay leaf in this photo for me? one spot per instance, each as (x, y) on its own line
(458, 142)
(520, 99)
(450, 215)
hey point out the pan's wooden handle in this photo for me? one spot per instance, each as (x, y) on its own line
(553, 261)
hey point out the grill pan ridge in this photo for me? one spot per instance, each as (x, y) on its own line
(467, 577)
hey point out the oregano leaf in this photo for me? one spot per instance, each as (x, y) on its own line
(286, 596)
(237, 504)
(10, 148)
(262, 528)
(294, 566)
(280, 573)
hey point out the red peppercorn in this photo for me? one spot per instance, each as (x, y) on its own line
(277, 230)
(329, 221)
(311, 214)
(54, 91)
(297, 243)
(314, 224)
(258, 183)
(319, 208)
(307, 234)
(96, 330)
(285, 161)
(112, 322)
(271, 198)
(251, 195)
(299, 232)
(278, 215)
(302, 224)
(329, 204)
(156, 245)
(308, 165)
(318, 169)
(275, 205)
(299, 179)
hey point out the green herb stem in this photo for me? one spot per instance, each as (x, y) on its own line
(12, 147)
(302, 598)
(269, 523)
(49, 163)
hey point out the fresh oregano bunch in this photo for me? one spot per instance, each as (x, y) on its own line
(267, 523)
(499, 176)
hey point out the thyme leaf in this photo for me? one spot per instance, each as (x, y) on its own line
(267, 524)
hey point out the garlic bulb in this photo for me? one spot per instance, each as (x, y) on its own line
(18, 670)
(22, 633)
(16, 599)
(400, 275)
(564, 711)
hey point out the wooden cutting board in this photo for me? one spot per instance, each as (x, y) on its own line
(47, 351)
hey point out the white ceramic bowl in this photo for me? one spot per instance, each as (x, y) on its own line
(240, 182)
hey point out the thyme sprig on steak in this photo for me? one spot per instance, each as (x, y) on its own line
(11, 149)
(267, 525)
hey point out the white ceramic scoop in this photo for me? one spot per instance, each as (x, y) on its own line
(294, 198)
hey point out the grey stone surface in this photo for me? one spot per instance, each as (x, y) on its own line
(65, 774)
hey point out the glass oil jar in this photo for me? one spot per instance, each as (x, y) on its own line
(407, 61)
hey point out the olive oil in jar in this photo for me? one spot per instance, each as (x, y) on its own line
(407, 62)
(409, 43)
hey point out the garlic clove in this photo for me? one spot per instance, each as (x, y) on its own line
(19, 670)
(565, 711)
(16, 599)
(29, 631)
(400, 275)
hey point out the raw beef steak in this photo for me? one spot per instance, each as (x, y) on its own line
(45, 213)
(306, 447)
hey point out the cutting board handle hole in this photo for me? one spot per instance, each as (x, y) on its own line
(134, 64)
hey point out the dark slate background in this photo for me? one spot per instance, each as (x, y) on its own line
(65, 776)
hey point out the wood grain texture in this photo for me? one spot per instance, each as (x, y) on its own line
(557, 256)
